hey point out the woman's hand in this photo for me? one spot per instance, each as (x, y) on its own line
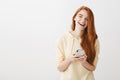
(65, 64)
(74, 58)
(83, 58)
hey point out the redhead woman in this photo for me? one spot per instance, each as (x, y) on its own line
(78, 49)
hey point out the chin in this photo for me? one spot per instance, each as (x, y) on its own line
(82, 28)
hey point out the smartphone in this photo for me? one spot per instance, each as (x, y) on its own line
(79, 52)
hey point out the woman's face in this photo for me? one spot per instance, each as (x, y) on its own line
(81, 20)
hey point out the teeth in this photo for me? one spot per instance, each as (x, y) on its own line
(80, 24)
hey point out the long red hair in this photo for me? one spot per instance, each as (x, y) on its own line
(89, 35)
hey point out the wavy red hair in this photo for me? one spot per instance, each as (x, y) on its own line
(89, 35)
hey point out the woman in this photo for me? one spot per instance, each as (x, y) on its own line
(82, 36)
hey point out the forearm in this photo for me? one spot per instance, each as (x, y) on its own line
(64, 65)
(88, 66)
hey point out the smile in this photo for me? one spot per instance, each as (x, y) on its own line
(81, 24)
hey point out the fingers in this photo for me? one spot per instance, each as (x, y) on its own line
(80, 58)
(75, 56)
(83, 57)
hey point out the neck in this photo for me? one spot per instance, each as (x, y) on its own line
(77, 33)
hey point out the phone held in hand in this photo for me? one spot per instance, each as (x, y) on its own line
(79, 52)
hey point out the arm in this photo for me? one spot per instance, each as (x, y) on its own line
(62, 62)
(86, 64)
(63, 66)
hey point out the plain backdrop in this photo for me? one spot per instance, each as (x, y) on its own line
(30, 28)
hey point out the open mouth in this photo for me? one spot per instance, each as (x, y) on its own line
(81, 24)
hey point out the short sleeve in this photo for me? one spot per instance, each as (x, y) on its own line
(59, 51)
(97, 48)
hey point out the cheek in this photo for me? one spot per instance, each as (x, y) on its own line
(86, 23)
(77, 18)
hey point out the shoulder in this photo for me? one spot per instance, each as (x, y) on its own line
(63, 37)
(97, 46)
(97, 42)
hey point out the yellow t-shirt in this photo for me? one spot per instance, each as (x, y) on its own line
(66, 46)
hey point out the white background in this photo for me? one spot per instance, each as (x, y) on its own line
(29, 29)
